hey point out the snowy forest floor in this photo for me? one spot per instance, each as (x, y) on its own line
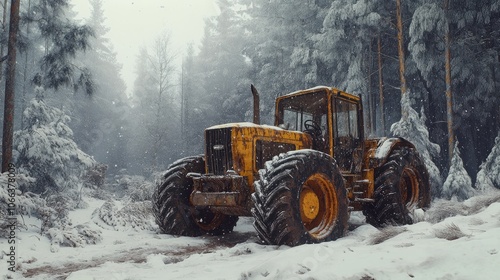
(452, 240)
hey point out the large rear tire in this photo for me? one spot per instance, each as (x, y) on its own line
(173, 211)
(300, 198)
(401, 185)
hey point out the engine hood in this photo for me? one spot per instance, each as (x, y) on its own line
(246, 146)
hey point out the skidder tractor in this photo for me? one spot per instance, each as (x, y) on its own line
(299, 179)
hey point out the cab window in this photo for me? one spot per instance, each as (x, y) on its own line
(346, 119)
(347, 135)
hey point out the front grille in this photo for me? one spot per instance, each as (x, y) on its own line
(219, 155)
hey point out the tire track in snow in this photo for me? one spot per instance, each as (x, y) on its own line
(140, 254)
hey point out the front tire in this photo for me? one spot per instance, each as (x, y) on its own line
(401, 185)
(300, 198)
(172, 209)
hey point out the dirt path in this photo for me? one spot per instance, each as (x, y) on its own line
(140, 254)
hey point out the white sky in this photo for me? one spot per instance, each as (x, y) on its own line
(137, 23)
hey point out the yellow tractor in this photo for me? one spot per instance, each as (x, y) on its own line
(299, 179)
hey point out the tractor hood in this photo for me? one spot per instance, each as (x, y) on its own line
(245, 147)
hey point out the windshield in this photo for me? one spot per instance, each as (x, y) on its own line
(293, 112)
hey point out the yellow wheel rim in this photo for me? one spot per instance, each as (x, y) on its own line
(408, 186)
(318, 205)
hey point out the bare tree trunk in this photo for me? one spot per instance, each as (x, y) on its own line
(10, 82)
(4, 27)
(25, 72)
(381, 85)
(371, 125)
(401, 53)
(449, 96)
(162, 64)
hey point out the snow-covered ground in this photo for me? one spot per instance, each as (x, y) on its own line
(453, 240)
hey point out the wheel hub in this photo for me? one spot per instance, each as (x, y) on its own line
(318, 205)
(309, 203)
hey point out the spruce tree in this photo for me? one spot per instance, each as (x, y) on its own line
(280, 48)
(61, 39)
(488, 177)
(46, 151)
(458, 184)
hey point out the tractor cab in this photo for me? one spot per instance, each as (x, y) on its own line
(331, 117)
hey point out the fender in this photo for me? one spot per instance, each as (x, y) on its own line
(378, 155)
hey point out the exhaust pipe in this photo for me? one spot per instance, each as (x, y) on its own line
(256, 109)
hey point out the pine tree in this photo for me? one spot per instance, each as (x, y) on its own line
(359, 36)
(426, 47)
(488, 177)
(413, 129)
(50, 41)
(46, 150)
(280, 48)
(99, 122)
(359, 21)
(458, 184)
(476, 66)
(61, 39)
(222, 67)
(469, 30)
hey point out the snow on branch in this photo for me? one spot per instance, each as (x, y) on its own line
(488, 177)
(47, 152)
(458, 184)
(413, 129)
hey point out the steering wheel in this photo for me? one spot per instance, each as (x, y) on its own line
(313, 128)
